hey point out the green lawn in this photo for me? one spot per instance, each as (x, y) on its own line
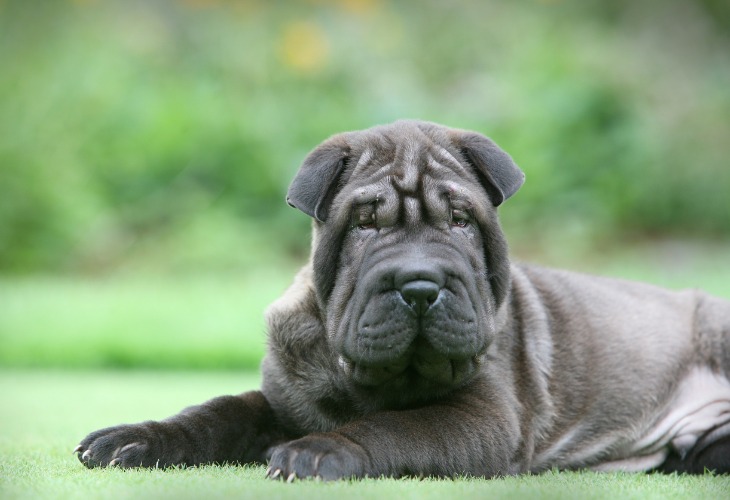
(46, 413)
(215, 321)
(210, 321)
(68, 346)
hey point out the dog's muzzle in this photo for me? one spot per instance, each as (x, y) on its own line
(423, 326)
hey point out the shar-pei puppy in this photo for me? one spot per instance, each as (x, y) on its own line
(410, 346)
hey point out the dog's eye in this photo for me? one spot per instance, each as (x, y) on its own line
(365, 218)
(459, 218)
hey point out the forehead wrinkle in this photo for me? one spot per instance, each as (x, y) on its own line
(435, 168)
(411, 208)
(445, 160)
(363, 161)
(368, 167)
(435, 197)
(378, 173)
(408, 163)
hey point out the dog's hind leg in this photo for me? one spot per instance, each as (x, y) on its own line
(711, 453)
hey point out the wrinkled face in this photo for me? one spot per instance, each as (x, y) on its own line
(408, 299)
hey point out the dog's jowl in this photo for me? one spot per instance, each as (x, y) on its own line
(409, 345)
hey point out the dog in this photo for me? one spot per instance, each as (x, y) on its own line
(409, 345)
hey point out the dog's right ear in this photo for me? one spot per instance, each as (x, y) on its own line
(315, 185)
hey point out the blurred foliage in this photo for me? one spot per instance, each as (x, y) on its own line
(166, 132)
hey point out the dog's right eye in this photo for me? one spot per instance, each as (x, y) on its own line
(365, 217)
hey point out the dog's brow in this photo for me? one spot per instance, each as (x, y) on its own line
(447, 155)
(445, 158)
(365, 158)
(410, 170)
(437, 166)
(408, 182)
(411, 209)
(384, 168)
(365, 161)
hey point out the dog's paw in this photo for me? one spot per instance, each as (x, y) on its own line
(137, 445)
(320, 456)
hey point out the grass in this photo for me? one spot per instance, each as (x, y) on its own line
(674, 264)
(213, 322)
(45, 414)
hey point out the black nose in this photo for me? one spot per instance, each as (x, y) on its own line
(420, 294)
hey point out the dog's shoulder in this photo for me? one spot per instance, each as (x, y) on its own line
(300, 376)
(294, 322)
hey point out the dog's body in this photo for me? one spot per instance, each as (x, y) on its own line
(410, 346)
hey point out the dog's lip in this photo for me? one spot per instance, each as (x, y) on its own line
(447, 372)
(378, 374)
(432, 364)
(373, 375)
(378, 337)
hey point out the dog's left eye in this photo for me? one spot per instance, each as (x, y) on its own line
(459, 218)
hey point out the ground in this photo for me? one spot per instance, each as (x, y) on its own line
(64, 341)
(46, 413)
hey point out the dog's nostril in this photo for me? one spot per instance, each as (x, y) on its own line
(420, 294)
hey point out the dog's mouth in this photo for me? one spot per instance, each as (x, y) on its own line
(391, 343)
(421, 361)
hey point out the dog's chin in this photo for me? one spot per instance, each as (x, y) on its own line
(443, 371)
(422, 368)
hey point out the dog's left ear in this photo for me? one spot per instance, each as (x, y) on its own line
(315, 185)
(498, 172)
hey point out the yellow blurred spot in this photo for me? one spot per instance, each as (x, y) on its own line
(361, 7)
(304, 46)
(200, 4)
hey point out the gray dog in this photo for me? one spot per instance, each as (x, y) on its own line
(409, 345)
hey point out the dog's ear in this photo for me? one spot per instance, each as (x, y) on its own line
(315, 185)
(498, 172)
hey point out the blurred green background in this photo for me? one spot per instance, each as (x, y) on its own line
(146, 147)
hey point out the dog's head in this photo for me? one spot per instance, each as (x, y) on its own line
(410, 265)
